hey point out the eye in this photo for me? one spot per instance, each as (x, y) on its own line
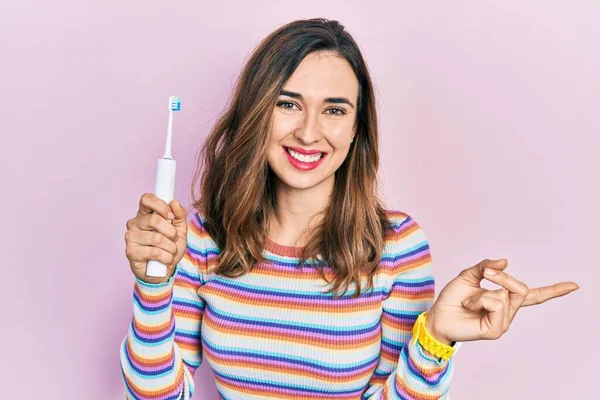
(336, 111)
(287, 105)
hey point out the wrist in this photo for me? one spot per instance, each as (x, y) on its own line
(149, 280)
(434, 347)
(437, 335)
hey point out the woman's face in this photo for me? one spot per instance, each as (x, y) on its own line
(313, 122)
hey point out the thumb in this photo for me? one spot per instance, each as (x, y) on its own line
(474, 274)
(179, 212)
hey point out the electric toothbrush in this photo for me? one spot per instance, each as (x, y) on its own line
(164, 187)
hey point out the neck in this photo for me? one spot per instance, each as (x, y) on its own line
(298, 211)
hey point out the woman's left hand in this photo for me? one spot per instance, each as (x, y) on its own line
(464, 311)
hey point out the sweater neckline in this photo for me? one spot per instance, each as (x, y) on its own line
(284, 250)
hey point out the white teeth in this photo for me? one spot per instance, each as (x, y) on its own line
(305, 158)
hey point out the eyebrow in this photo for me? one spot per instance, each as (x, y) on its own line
(334, 100)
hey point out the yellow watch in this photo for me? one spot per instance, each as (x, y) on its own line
(428, 342)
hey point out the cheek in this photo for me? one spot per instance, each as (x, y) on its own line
(273, 152)
(282, 126)
(339, 135)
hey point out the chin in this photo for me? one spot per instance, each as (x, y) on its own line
(300, 184)
(294, 181)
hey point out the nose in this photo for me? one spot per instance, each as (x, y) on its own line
(308, 131)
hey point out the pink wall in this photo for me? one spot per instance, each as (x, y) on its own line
(490, 126)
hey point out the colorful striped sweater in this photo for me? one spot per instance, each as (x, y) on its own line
(273, 334)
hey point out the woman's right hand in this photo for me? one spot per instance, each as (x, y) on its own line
(150, 236)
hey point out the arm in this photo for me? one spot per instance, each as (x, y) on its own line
(404, 370)
(162, 349)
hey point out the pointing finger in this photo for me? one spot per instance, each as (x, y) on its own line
(542, 294)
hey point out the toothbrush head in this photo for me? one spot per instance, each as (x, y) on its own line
(174, 103)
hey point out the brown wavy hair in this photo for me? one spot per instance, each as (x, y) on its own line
(237, 194)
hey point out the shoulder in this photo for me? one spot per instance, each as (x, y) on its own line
(401, 223)
(198, 237)
(406, 245)
(200, 245)
(196, 223)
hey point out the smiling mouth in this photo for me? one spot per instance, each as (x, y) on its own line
(305, 158)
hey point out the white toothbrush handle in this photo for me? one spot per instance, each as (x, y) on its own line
(164, 189)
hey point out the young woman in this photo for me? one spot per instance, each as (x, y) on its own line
(291, 278)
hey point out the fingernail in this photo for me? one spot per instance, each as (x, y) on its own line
(489, 272)
(171, 215)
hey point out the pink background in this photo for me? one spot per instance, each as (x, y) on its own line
(489, 131)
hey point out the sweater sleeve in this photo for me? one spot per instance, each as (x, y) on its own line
(404, 370)
(162, 349)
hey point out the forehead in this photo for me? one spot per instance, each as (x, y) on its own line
(322, 75)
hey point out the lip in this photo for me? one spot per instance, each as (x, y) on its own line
(303, 166)
(306, 152)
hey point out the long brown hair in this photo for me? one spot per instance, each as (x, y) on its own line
(237, 185)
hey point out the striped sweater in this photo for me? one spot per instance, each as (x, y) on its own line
(274, 334)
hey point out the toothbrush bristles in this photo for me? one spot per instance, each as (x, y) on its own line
(174, 103)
